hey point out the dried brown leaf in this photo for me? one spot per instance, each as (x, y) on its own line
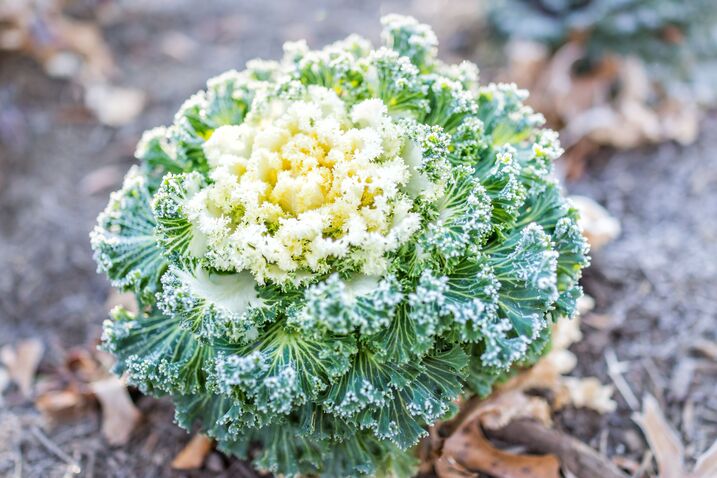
(60, 404)
(21, 361)
(85, 366)
(192, 456)
(708, 348)
(615, 103)
(662, 438)
(114, 105)
(497, 412)
(549, 373)
(680, 119)
(566, 94)
(590, 393)
(86, 39)
(526, 60)
(470, 450)
(101, 179)
(447, 468)
(667, 447)
(119, 414)
(574, 455)
(66, 46)
(599, 227)
(122, 299)
(178, 45)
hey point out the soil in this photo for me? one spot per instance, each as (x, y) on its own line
(653, 286)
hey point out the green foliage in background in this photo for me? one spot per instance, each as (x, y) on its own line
(676, 38)
(329, 250)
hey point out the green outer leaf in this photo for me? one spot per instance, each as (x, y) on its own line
(214, 305)
(124, 244)
(181, 242)
(159, 355)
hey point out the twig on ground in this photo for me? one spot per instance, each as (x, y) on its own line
(658, 381)
(603, 441)
(664, 441)
(644, 464)
(615, 370)
(56, 450)
(18, 463)
(574, 455)
(682, 377)
(705, 347)
(91, 460)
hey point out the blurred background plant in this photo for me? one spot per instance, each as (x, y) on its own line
(620, 73)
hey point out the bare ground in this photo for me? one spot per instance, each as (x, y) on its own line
(654, 287)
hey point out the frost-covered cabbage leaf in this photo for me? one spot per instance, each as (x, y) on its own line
(329, 250)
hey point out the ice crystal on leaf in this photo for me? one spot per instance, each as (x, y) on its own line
(330, 249)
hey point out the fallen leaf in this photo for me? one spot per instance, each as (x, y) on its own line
(590, 393)
(549, 373)
(662, 438)
(64, 45)
(598, 226)
(114, 105)
(500, 410)
(60, 404)
(101, 179)
(585, 304)
(86, 39)
(126, 300)
(192, 456)
(177, 45)
(575, 457)
(22, 361)
(708, 348)
(680, 119)
(448, 468)
(64, 64)
(615, 103)
(119, 414)
(666, 446)
(526, 60)
(455, 451)
(471, 451)
(85, 366)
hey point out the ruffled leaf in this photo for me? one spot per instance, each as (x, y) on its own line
(181, 241)
(410, 39)
(213, 305)
(125, 246)
(158, 354)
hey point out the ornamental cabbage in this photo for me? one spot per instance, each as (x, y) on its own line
(328, 251)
